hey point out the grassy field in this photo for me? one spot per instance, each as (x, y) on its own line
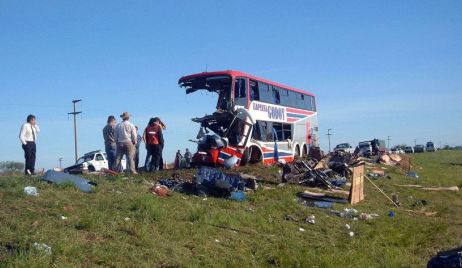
(123, 225)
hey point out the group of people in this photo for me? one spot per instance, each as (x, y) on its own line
(179, 157)
(120, 140)
(123, 140)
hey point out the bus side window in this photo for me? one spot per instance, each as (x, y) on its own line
(308, 103)
(240, 89)
(287, 131)
(254, 94)
(279, 132)
(265, 94)
(256, 134)
(276, 96)
(268, 130)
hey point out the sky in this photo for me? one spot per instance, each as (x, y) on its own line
(377, 68)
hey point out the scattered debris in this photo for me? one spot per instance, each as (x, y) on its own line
(31, 190)
(61, 178)
(311, 197)
(381, 191)
(430, 188)
(366, 217)
(395, 198)
(127, 219)
(391, 214)
(311, 219)
(412, 174)
(43, 247)
(449, 258)
(63, 217)
(301, 229)
(160, 190)
(347, 226)
(351, 234)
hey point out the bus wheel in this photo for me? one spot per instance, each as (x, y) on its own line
(245, 157)
(256, 156)
(297, 152)
(305, 151)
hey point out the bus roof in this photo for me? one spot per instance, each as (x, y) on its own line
(235, 73)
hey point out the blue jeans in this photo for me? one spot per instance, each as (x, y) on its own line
(111, 155)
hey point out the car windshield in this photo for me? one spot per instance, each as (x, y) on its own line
(364, 145)
(343, 145)
(85, 158)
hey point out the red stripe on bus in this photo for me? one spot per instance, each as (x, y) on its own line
(292, 110)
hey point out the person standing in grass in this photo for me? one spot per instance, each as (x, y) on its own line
(28, 136)
(188, 158)
(137, 154)
(178, 158)
(154, 139)
(109, 141)
(126, 138)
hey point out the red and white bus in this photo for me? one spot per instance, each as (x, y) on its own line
(256, 120)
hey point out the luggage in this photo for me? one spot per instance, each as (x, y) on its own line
(447, 259)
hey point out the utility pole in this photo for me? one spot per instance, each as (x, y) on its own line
(75, 113)
(415, 142)
(388, 139)
(328, 136)
(60, 161)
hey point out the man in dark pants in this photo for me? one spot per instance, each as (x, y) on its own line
(28, 136)
(109, 141)
(155, 143)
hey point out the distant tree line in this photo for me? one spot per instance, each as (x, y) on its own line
(11, 167)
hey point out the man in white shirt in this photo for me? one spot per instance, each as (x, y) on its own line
(28, 136)
(126, 138)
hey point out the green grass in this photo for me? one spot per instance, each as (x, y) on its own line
(186, 231)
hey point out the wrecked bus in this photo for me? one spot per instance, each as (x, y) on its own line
(256, 121)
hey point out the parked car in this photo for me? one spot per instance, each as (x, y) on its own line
(365, 148)
(397, 150)
(409, 150)
(430, 147)
(344, 147)
(419, 149)
(91, 162)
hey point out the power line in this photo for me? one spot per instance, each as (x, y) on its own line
(75, 113)
(328, 136)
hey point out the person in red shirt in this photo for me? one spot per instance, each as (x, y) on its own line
(154, 139)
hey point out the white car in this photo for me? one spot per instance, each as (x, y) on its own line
(397, 151)
(91, 162)
(344, 147)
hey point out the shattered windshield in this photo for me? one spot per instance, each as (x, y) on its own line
(238, 132)
(220, 84)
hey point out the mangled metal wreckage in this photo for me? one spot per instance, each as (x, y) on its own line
(240, 132)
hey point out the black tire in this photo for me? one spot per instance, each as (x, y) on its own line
(245, 157)
(305, 151)
(297, 152)
(255, 155)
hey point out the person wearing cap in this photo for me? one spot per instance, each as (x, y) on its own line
(154, 139)
(28, 136)
(126, 139)
(109, 141)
